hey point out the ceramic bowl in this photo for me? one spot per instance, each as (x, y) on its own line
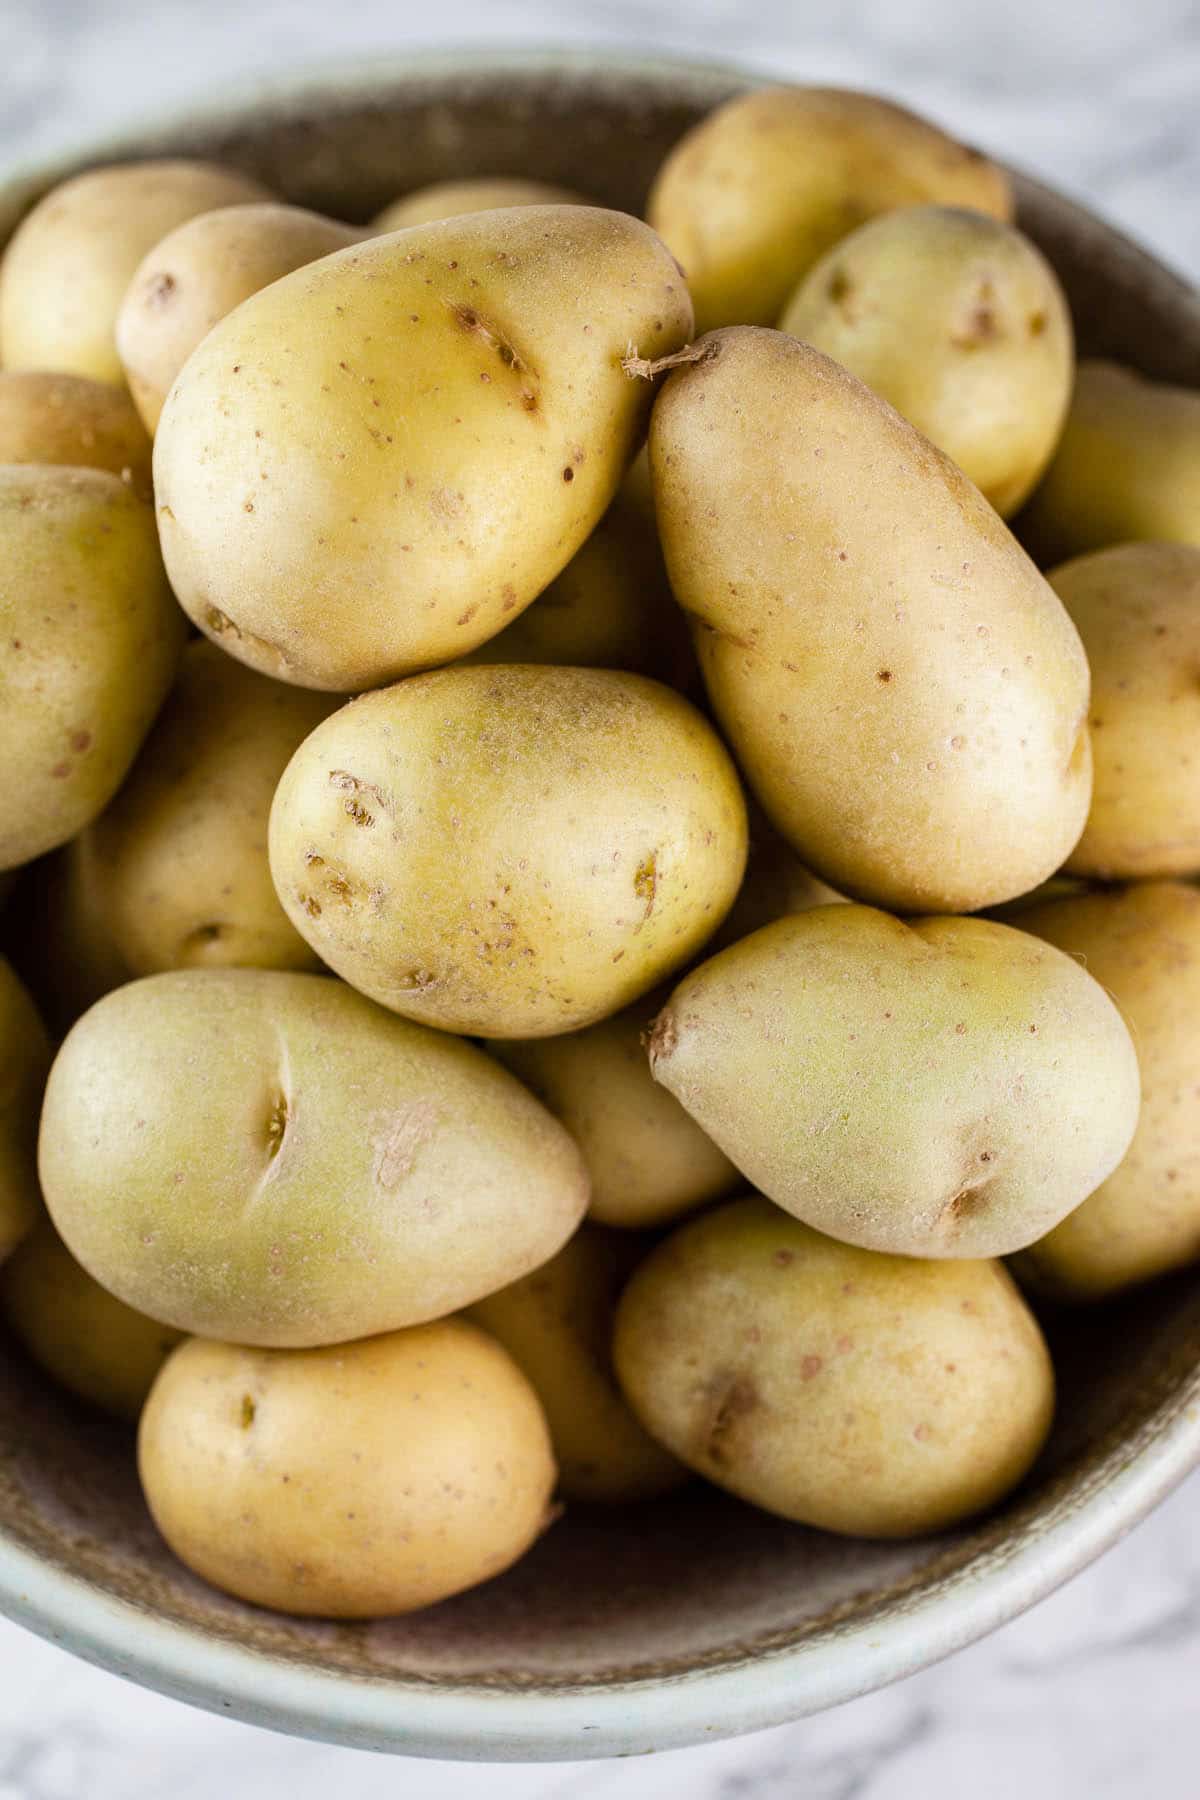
(664, 1624)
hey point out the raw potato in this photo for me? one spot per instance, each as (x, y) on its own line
(348, 1482)
(751, 197)
(268, 1157)
(71, 259)
(24, 1062)
(1137, 609)
(942, 1088)
(480, 193)
(60, 939)
(178, 862)
(92, 636)
(1127, 467)
(198, 273)
(374, 464)
(872, 1395)
(1143, 944)
(88, 1341)
(557, 1325)
(957, 321)
(509, 852)
(69, 420)
(903, 691)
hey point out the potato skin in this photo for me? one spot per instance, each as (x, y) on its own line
(94, 637)
(957, 321)
(902, 689)
(268, 1157)
(509, 852)
(69, 262)
(480, 193)
(352, 1481)
(879, 1396)
(71, 421)
(941, 1088)
(24, 1063)
(756, 192)
(557, 1325)
(337, 515)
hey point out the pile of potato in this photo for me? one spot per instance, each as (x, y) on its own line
(464, 1103)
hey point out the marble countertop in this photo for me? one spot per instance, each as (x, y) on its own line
(1096, 1694)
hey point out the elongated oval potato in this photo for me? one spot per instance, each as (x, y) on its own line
(510, 852)
(903, 691)
(24, 1063)
(557, 1325)
(374, 464)
(347, 1482)
(478, 193)
(198, 273)
(879, 1396)
(69, 420)
(89, 1341)
(92, 637)
(268, 1157)
(959, 322)
(946, 1087)
(756, 192)
(178, 862)
(65, 272)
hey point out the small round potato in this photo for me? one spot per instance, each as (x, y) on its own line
(77, 1331)
(24, 1062)
(557, 1325)
(67, 419)
(960, 323)
(349, 1482)
(479, 193)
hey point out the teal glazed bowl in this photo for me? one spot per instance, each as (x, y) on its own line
(673, 1622)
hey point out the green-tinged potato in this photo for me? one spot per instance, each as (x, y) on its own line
(67, 419)
(943, 1088)
(903, 691)
(372, 465)
(873, 1395)
(959, 322)
(557, 1325)
(775, 884)
(24, 1060)
(199, 272)
(1137, 609)
(59, 937)
(479, 193)
(76, 1330)
(92, 637)
(65, 272)
(1127, 467)
(352, 1481)
(178, 862)
(509, 852)
(756, 192)
(266, 1156)
(1143, 944)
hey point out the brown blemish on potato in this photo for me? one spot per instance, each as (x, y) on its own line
(732, 1397)
(399, 1139)
(355, 788)
(160, 288)
(278, 1120)
(645, 881)
(81, 741)
(662, 1037)
(248, 1411)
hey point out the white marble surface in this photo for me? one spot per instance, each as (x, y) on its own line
(1096, 1694)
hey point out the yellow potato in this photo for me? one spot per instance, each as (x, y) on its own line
(957, 321)
(557, 1326)
(268, 1157)
(24, 1061)
(374, 464)
(755, 193)
(69, 420)
(347, 1482)
(903, 691)
(873, 1395)
(65, 272)
(947, 1087)
(479, 193)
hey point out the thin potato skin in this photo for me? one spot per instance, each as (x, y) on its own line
(349, 1482)
(484, 193)
(73, 422)
(24, 1065)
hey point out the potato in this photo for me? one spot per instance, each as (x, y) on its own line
(65, 272)
(903, 691)
(59, 937)
(267, 1157)
(1127, 467)
(24, 1061)
(557, 1326)
(755, 193)
(479, 193)
(946, 1087)
(88, 1341)
(351, 1481)
(372, 465)
(178, 862)
(67, 419)
(92, 636)
(198, 273)
(1143, 944)
(959, 323)
(873, 1395)
(510, 852)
